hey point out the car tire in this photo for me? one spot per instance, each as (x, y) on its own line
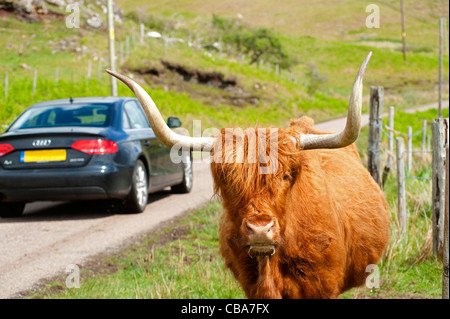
(188, 177)
(8, 210)
(138, 196)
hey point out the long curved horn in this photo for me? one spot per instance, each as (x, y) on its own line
(352, 127)
(159, 126)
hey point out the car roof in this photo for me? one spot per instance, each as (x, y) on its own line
(87, 100)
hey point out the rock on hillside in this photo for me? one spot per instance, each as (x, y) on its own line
(25, 10)
(92, 12)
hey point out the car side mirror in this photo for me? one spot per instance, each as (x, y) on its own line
(173, 122)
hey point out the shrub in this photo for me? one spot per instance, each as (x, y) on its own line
(259, 44)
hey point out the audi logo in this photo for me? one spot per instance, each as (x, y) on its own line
(37, 143)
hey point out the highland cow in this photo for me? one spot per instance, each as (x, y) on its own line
(307, 228)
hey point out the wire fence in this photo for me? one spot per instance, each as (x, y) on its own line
(386, 154)
(433, 144)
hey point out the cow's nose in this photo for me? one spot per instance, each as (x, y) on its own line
(260, 234)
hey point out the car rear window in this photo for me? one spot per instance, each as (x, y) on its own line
(64, 115)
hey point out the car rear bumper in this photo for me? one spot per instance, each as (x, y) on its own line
(98, 182)
(44, 194)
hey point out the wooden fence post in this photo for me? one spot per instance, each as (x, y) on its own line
(424, 138)
(391, 135)
(100, 67)
(441, 79)
(220, 48)
(121, 53)
(429, 143)
(391, 156)
(165, 44)
(401, 194)
(34, 81)
(56, 76)
(89, 71)
(127, 47)
(403, 29)
(445, 255)
(375, 133)
(439, 128)
(141, 33)
(6, 84)
(409, 150)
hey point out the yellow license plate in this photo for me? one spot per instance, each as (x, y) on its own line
(43, 156)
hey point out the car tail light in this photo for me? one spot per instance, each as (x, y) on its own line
(95, 146)
(5, 148)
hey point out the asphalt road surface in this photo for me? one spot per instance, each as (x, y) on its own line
(54, 235)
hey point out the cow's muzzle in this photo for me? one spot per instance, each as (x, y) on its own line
(260, 250)
(261, 234)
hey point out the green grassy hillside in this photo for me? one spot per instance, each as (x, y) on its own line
(326, 20)
(324, 42)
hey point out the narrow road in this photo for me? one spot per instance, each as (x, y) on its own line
(50, 236)
(337, 125)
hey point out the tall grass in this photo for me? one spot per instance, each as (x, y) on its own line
(181, 261)
(408, 268)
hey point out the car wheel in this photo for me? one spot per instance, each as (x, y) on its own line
(11, 209)
(138, 197)
(188, 177)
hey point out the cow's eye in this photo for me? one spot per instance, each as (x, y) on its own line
(293, 175)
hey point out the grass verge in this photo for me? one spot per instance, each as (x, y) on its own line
(181, 261)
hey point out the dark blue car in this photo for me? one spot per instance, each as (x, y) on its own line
(87, 148)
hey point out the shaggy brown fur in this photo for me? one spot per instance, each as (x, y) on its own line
(332, 218)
